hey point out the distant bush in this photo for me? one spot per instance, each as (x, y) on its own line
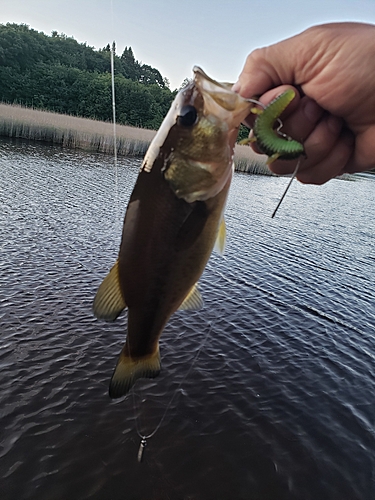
(59, 74)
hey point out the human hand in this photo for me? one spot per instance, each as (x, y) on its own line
(332, 67)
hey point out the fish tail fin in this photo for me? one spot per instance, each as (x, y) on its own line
(129, 370)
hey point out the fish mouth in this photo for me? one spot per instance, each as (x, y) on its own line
(220, 100)
(216, 102)
(201, 76)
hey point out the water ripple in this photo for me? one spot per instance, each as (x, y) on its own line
(272, 382)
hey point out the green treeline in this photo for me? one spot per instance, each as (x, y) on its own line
(59, 74)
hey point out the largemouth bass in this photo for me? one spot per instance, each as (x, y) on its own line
(174, 217)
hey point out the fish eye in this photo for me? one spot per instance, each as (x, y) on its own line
(188, 116)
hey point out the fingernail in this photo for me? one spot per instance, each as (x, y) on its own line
(236, 87)
(312, 111)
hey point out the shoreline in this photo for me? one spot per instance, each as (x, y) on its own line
(94, 135)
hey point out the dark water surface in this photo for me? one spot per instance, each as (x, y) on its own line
(279, 403)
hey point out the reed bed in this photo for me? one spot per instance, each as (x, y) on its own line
(245, 160)
(93, 135)
(72, 131)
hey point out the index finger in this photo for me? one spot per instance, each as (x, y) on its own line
(269, 96)
(285, 62)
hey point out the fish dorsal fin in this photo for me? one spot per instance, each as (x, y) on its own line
(221, 238)
(193, 300)
(109, 302)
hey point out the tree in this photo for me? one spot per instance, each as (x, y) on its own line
(58, 73)
(150, 76)
(131, 67)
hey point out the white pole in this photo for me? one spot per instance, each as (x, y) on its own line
(113, 101)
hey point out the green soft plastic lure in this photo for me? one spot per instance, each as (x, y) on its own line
(271, 141)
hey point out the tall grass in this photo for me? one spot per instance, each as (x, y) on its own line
(245, 160)
(92, 135)
(71, 131)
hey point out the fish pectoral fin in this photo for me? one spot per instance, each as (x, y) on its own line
(221, 238)
(109, 302)
(129, 370)
(193, 300)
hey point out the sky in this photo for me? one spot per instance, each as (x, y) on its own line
(174, 35)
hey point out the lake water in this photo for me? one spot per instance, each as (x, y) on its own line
(273, 381)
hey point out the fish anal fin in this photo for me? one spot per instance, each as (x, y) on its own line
(193, 300)
(109, 302)
(128, 370)
(221, 238)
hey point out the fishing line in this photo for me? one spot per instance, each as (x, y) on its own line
(279, 121)
(113, 48)
(287, 188)
(67, 245)
(144, 437)
(279, 132)
(114, 107)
